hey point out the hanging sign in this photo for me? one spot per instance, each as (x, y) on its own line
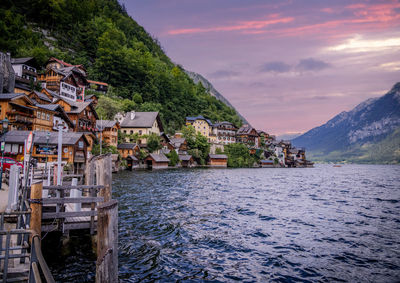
(29, 142)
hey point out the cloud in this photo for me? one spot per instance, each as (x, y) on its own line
(358, 44)
(311, 64)
(276, 67)
(244, 26)
(222, 74)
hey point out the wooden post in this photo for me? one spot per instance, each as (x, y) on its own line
(36, 207)
(104, 177)
(107, 242)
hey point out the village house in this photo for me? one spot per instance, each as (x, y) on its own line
(225, 132)
(186, 160)
(156, 161)
(98, 86)
(128, 149)
(19, 110)
(109, 130)
(141, 123)
(201, 125)
(249, 136)
(25, 74)
(217, 160)
(74, 147)
(180, 145)
(44, 117)
(39, 97)
(58, 77)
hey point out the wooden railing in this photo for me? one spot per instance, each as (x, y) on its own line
(38, 267)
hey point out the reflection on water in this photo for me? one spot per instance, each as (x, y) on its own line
(287, 225)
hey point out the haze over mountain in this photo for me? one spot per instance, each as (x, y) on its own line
(358, 135)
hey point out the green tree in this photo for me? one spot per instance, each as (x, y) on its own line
(137, 98)
(153, 142)
(238, 155)
(107, 108)
(173, 158)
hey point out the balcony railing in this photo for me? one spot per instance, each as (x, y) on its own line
(19, 117)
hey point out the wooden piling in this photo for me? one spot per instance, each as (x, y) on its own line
(107, 242)
(36, 207)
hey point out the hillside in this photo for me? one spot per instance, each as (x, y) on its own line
(359, 134)
(197, 78)
(100, 35)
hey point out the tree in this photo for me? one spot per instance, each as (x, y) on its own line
(137, 98)
(238, 155)
(153, 142)
(107, 108)
(189, 133)
(173, 158)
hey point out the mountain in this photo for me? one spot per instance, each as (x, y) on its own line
(357, 135)
(288, 136)
(197, 78)
(114, 48)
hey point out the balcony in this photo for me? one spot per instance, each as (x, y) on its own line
(20, 118)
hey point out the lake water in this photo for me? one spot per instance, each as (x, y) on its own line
(321, 224)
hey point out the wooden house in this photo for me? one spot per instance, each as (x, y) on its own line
(180, 145)
(141, 123)
(109, 130)
(74, 147)
(44, 117)
(267, 163)
(248, 136)
(156, 161)
(128, 149)
(186, 160)
(19, 110)
(39, 97)
(132, 162)
(100, 87)
(217, 160)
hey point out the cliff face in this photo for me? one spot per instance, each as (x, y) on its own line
(367, 124)
(207, 85)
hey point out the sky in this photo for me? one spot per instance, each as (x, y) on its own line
(287, 66)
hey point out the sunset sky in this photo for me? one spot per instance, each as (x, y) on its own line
(287, 66)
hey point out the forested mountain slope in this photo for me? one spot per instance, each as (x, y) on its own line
(100, 35)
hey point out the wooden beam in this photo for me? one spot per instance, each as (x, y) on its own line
(72, 200)
(36, 208)
(52, 215)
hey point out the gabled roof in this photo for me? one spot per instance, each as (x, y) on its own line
(58, 109)
(97, 83)
(127, 146)
(158, 157)
(185, 157)
(103, 124)
(51, 107)
(64, 63)
(177, 142)
(69, 138)
(24, 60)
(42, 96)
(141, 120)
(246, 130)
(218, 156)
(78, 107)
(10, 96)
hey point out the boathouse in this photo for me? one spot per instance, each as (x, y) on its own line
(266, 163)
(132, 162)
(217, 160)
(156, 161)
(186, 160)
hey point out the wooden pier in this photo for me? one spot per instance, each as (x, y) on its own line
(83, 203)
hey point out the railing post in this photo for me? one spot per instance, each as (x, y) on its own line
(36, 207)
(13, 188)
(75, 193)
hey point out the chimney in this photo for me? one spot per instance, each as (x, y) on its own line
(133, 114)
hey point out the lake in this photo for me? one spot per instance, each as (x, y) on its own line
(322, 224)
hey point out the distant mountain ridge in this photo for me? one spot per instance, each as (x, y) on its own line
(354, 132)
(207, 85)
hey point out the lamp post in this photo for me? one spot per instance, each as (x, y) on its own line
(3, 145)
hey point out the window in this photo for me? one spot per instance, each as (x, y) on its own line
(140, 132)
(43, 116)
(38, 115)
(48, 117)
(132, 132)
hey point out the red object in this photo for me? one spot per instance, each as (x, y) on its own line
(8, 161)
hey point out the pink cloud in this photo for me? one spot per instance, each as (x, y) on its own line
(251, 26)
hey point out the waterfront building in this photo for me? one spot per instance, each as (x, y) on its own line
(225, 132)
(201, 125)
(74, 147)
(249, 136)
(217, 160)
(141, 123)
(156, 161)
(180, 145)
(186, 160)
(128, 149)
(109, 131)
